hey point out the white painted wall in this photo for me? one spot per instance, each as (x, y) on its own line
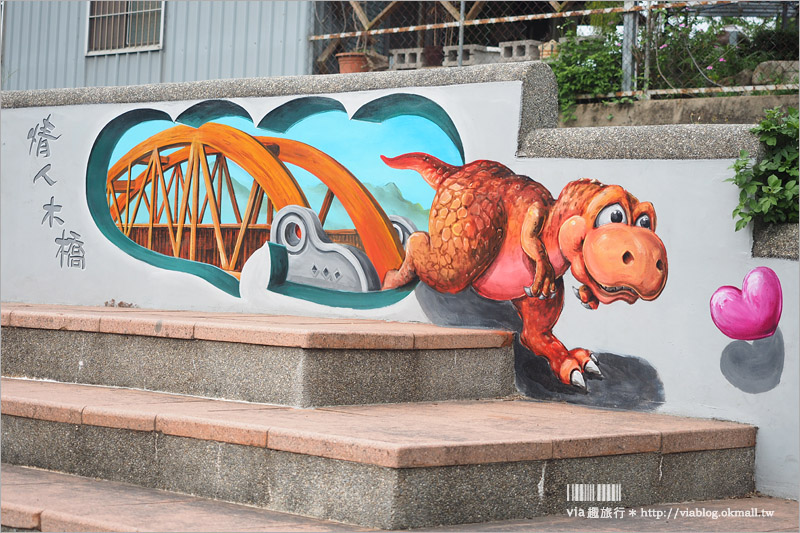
(674, 333)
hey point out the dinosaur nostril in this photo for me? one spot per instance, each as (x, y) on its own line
(627, 258)
(660, 265)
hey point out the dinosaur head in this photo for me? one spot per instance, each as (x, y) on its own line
(610, 242)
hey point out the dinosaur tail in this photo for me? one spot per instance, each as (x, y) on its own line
(431, 169)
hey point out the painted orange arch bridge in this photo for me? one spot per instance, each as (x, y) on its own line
(181, 179)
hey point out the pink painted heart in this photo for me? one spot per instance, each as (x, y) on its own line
(753, 312)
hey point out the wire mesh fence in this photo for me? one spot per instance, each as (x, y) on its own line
(613, 49)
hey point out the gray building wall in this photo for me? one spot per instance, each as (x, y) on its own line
(44, 44)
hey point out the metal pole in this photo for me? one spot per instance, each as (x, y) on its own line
(461, 34)
(784, 13)
(648, 38)
(420, 22)
(2, 10)
(628, 42)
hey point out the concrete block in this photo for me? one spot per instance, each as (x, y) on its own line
(470, 494)
(707, 475)
(776, 240)
(473, 54)
(527, 50)
(637, 475)
(405, 58)
(230, 472)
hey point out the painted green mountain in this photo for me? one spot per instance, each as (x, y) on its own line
(388, 196)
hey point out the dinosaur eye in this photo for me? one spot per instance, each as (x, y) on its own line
(643, 221)
(612, 214)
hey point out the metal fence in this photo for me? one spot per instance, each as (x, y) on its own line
(614, 49)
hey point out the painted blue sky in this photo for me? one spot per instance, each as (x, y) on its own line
(356, 144)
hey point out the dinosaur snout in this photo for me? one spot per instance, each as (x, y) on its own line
(622, 257)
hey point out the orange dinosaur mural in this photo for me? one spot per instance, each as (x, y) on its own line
(508, 238)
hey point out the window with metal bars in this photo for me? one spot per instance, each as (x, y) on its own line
(124, 26)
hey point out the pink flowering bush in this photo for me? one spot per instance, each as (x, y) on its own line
(690, 51)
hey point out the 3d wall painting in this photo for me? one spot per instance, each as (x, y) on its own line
(201, 195)
(506, 237)
(751, 313)
(342, 206)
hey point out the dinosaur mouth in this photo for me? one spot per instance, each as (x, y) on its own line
(619, 288)
(611, 293)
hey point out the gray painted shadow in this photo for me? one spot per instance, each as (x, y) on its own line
(754, 368)
(629, 382)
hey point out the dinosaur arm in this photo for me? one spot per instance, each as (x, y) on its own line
(544, 280)
(587, 297)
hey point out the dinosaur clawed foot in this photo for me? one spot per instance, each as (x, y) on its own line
(578, 363)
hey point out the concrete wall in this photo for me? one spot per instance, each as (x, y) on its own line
(668, 354)
(720, 110)
(44, 45)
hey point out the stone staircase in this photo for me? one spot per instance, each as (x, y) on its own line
(39, 500)
(366, 423)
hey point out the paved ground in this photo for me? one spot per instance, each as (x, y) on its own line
(33, 499)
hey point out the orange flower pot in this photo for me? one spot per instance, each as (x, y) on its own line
(352, 62)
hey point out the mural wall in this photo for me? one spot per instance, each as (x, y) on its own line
(411, 205)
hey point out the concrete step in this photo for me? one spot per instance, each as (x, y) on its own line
(48, 501)
(386, 466)
(284, 360)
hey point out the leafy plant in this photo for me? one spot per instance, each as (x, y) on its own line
(685, 51)
(779, 44)
(769, 187)
(605, 22)
(586, 66)
(693, 51)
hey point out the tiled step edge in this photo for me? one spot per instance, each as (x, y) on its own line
(386, 466)
(291, 376)
(295, 361)
(272, 330)
(49, 501)
(72, 503)
(393, 436)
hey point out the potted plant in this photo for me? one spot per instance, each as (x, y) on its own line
(355, 61)
(362, 58)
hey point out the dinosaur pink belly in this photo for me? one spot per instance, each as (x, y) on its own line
(505, 278)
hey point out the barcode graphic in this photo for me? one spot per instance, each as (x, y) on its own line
(594, 492)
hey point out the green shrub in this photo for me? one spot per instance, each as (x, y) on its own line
(777, 44)
(769, 187)
(586, 66)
